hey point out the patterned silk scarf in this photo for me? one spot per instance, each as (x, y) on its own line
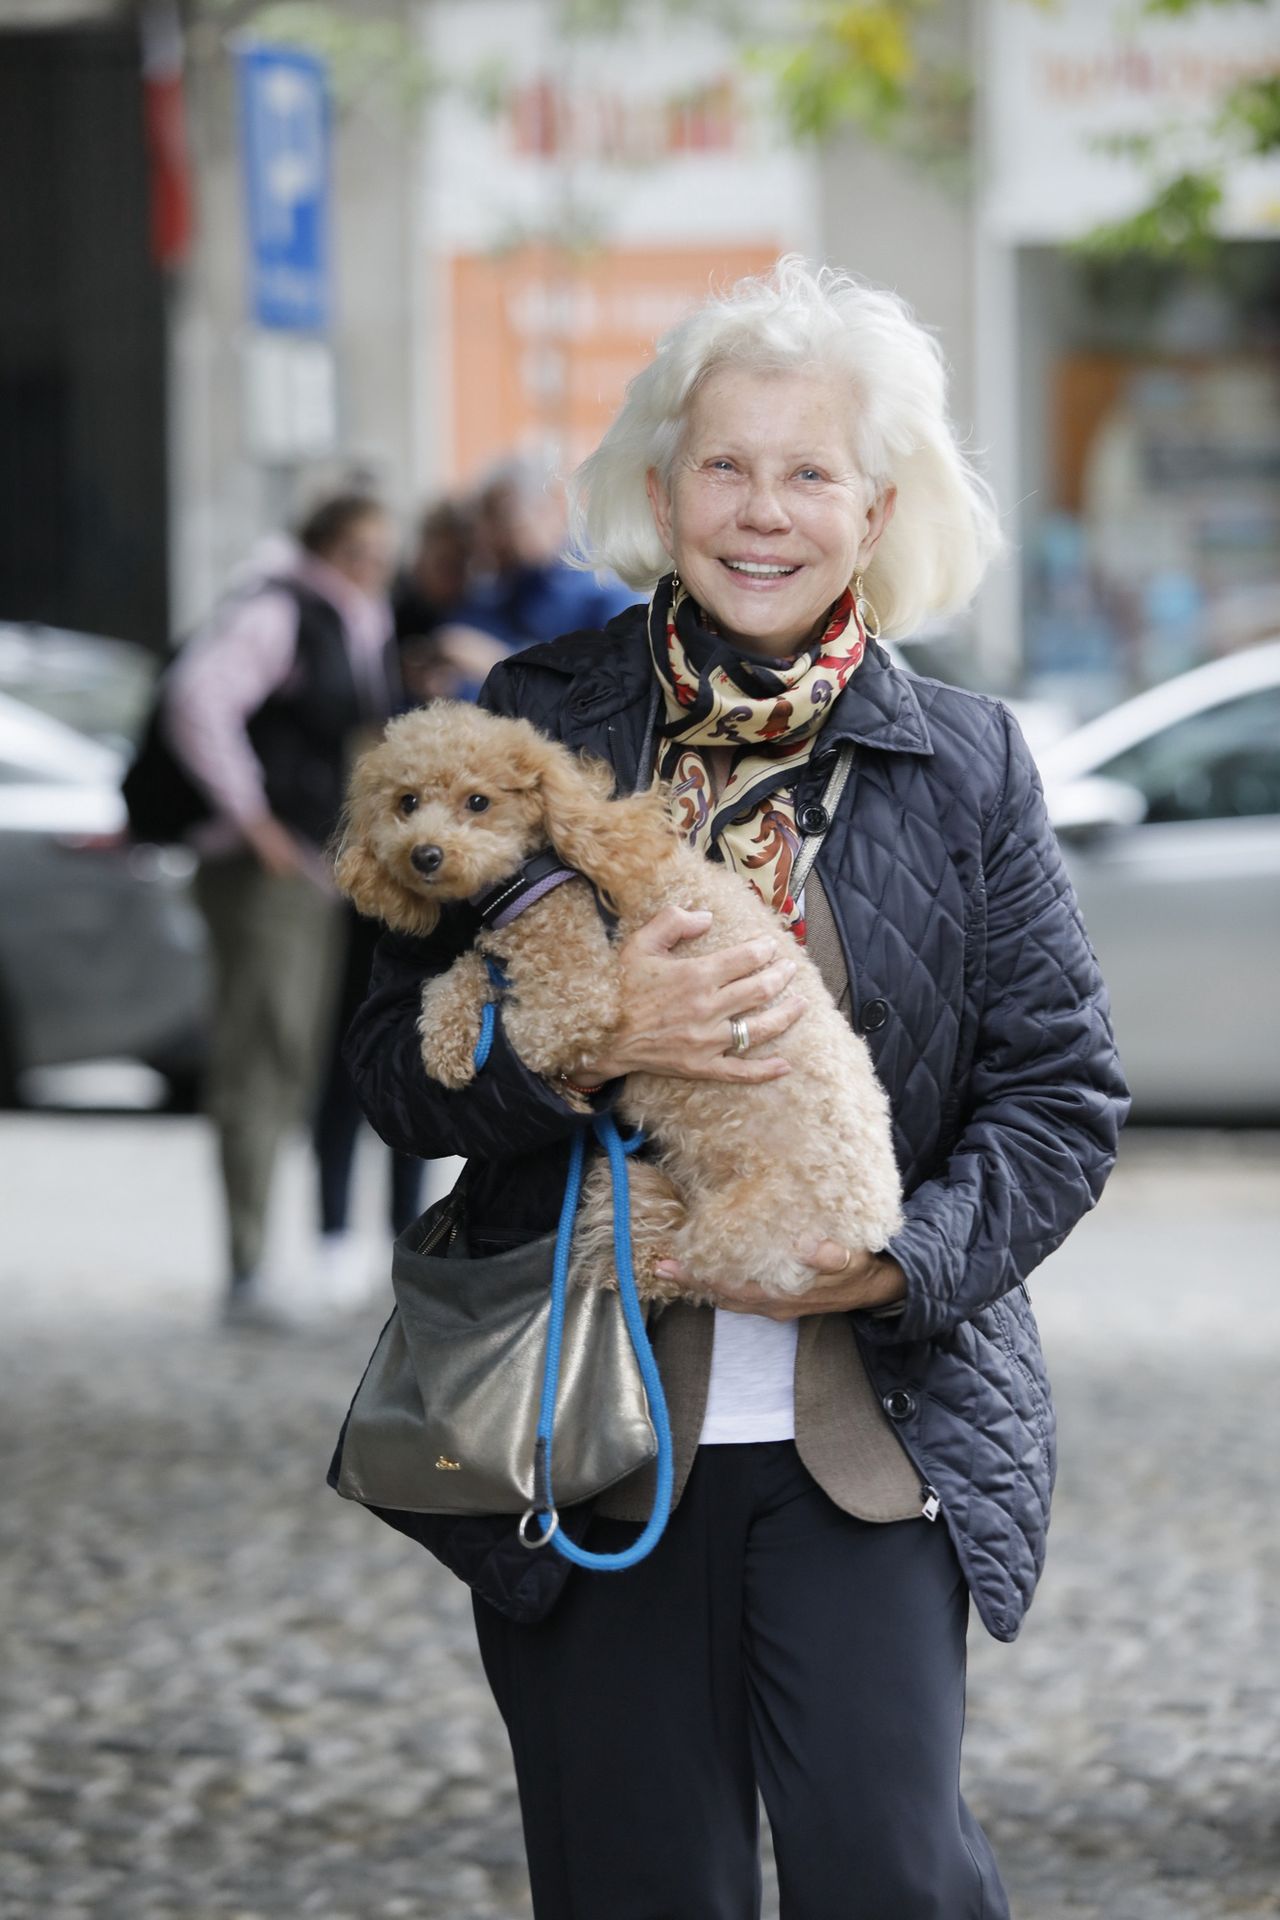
(767, 712)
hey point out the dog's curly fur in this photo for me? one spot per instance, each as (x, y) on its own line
(737, 1171)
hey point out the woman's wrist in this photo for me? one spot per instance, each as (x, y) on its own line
(593, 1073)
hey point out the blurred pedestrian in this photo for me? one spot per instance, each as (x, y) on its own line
(524, 590)
(855, 1462)
(438, 572)
(424, 599)
(341, 1279)
(263, 710)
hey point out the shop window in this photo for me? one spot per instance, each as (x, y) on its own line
(1223, 764)
(1150, 468)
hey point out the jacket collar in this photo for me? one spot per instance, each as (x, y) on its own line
(612, 676)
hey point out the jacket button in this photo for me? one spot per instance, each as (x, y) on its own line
(899, 1405)
(874, 1015)
(811, 818)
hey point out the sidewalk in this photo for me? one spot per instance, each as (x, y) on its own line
(229, 1693)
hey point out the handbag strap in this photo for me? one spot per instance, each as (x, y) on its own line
(837, 781)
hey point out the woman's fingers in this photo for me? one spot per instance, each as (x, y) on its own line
(755, 989)
(677, 1008)
(731, 966)
(719, 970)
(669, 927)
(763, 1027)
(746, 1072)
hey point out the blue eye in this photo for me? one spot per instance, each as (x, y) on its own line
(809, 473)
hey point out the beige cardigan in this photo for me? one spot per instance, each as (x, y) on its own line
(843, 1434)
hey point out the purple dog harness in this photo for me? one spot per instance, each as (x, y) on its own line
(528, 884)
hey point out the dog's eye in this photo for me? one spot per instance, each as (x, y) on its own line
(477, 802)
(408, 803)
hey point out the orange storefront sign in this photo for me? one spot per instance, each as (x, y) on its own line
(544, 341)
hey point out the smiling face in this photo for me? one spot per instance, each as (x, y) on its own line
(766, 514)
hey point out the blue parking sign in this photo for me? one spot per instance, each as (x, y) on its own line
(284, 145)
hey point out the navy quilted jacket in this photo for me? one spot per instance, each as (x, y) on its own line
(979, 995)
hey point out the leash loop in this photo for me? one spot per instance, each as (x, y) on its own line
(534, 1541)
(543, 1511)
(618, 1150)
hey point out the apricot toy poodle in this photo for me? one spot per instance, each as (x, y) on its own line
(449, 805)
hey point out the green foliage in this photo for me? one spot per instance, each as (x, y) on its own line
(854, 67)
(1177, 223)
(1251, 114)
(872, 65)
(1176, 8)
(1180, 219)
(882, 68)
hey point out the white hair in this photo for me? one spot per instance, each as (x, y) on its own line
(945, 529)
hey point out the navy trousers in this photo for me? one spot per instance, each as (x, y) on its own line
(770, 1642)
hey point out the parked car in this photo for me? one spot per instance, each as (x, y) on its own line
(102, 952)
(100, 687)
(1168, 810)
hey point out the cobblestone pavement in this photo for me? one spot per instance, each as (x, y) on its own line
(226, 1693)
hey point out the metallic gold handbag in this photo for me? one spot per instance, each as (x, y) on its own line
(445, 1419)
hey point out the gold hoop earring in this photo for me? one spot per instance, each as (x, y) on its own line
(866, 612)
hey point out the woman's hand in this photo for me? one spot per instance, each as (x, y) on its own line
(676, 1008)
(845, 1283)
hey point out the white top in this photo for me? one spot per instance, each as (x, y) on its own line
(752, 1392)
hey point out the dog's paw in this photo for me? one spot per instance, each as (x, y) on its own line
(450, 1066)
(449, 1032)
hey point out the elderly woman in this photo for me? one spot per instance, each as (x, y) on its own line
(853, 1465)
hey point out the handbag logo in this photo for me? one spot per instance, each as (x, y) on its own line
(445, 1465)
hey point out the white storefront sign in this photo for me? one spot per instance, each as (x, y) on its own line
(583, 192)
(1060, 80)
(654, 134)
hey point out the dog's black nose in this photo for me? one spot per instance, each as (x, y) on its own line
(427, 859)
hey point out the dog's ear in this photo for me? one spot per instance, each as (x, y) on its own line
(524, 752)
(373, 892)
(619, 845)
(356, 873)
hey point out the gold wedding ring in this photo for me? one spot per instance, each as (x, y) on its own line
(739, 1034)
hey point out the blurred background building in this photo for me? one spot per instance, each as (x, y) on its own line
(249, 245)
(252, 250)
(207, 296)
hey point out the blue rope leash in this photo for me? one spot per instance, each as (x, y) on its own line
(544, 1508)
(489, 1014)
(618, 1149)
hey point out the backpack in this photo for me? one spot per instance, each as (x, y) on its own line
(162, 800)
